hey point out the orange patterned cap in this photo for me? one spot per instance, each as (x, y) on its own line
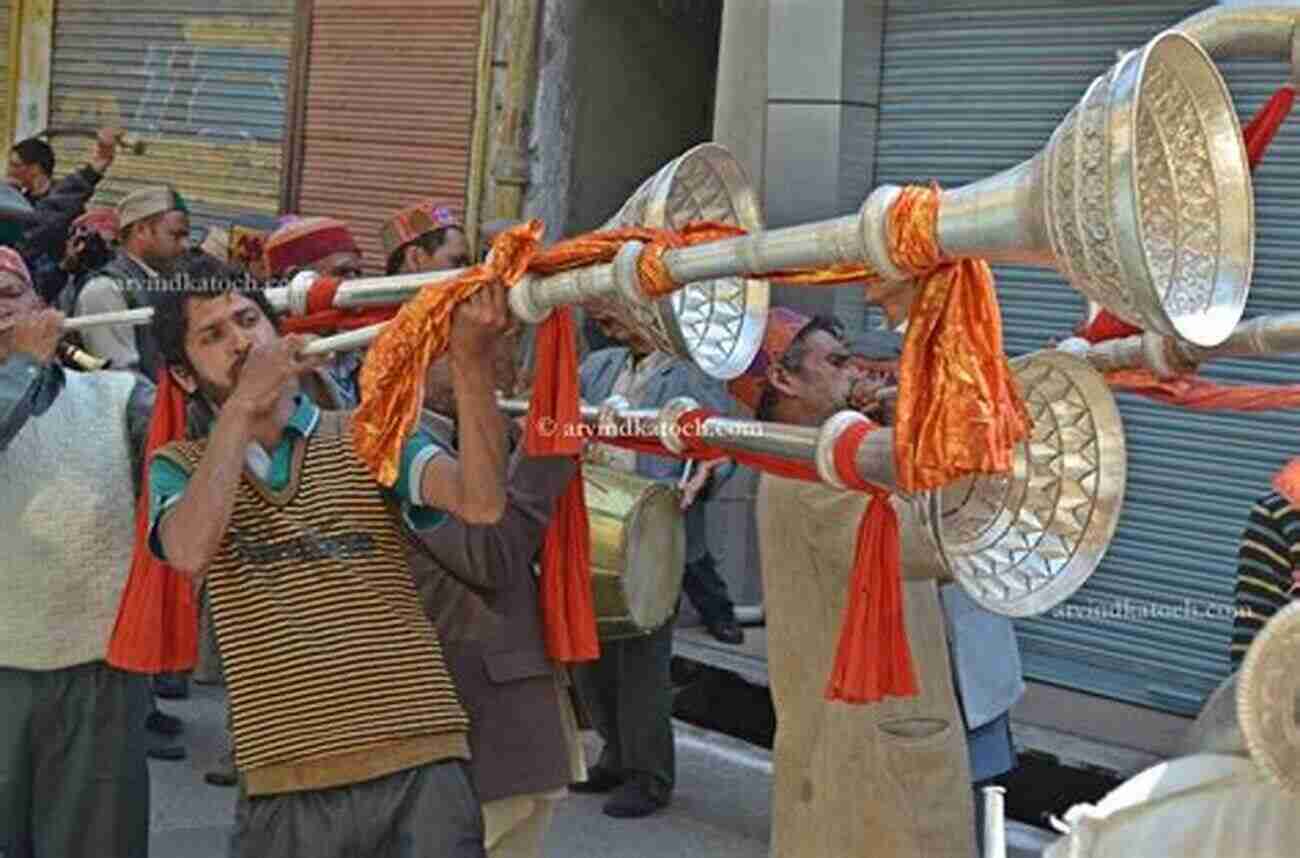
(782, 327)
(414, 221)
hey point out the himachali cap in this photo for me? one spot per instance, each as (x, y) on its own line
(148, 202)
(102, 220)
(305, 241)
(414, 221)
(782, 326)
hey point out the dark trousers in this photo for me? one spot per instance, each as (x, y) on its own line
(628, 694)
(707, 591)
(73, 776)
(430, 811)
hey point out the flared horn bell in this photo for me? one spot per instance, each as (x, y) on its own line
(1142, 198)
(1021, 543)
(1268, 698)
(717, 323)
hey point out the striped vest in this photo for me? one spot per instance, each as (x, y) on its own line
(335, 676)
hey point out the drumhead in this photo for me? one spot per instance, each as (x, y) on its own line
(655, 549)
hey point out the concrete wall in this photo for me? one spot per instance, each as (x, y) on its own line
(823, 97)
(644, 95)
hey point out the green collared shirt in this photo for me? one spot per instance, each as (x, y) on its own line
(167, 480)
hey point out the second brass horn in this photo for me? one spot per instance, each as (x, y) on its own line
(1142, 199)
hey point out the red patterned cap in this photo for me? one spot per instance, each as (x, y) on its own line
(304, 242)
(782, 326)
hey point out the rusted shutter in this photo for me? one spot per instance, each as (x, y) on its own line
(203, 83)
(388, 110)
(10, 74)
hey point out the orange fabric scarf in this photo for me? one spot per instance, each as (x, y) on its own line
(157, 626)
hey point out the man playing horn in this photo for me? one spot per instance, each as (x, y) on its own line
(325, 246)
(349, 736)
(73, 776)
(909, 754)
(478, 587)
(628, 692)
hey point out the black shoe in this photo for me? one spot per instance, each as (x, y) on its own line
(599, 779)
(222, 777)
(166, 752)
(727, 631)
(171, 686)
(164, 725)
(635, 799)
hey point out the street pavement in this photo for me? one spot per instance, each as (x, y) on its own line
(721, 807)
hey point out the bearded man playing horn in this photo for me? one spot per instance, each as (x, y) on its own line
(891, 777)
(349, 736)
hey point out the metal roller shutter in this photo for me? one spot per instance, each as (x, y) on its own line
(969, 89)
(202, 83)
(9, 74)
(389, 110)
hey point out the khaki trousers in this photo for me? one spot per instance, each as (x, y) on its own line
(882, 779)
(516, 827)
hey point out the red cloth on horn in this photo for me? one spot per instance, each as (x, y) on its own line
(322, 317)
(872, 658)
(555, 429)
(1259, 132)
(157, 627)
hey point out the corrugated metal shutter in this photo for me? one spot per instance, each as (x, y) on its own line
(969, 89)
(203, 83)
(389, 110)
(5, 127)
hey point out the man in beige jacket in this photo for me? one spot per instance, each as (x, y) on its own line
(885, 779)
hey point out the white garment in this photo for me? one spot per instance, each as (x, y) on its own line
(115, 343)
(69, 525)
(630, 384)
(1201, 806)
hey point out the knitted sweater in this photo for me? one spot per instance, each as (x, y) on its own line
(335, 675)
(69, 525)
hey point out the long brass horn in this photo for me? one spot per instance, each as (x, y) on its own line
(1020, 543)
(715, 321)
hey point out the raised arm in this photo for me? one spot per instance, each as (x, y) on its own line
(472, 488)
(26, 350)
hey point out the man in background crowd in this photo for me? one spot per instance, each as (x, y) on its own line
(56, 204)
(154, 232)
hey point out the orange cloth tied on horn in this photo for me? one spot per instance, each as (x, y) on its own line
(157, 626)
(959, 409)
(872, 657)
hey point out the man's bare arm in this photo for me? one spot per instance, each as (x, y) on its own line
(473, 487)
(192, 529)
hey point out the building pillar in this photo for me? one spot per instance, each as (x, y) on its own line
(823, 99)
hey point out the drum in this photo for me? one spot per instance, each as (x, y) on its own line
(638, 551)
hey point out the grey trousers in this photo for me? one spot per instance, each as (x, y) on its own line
(73, 777)
(628, 694)
(429, 811)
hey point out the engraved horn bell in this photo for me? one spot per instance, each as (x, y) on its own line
(717, 323)
(1142, 198)
(1021, 543)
